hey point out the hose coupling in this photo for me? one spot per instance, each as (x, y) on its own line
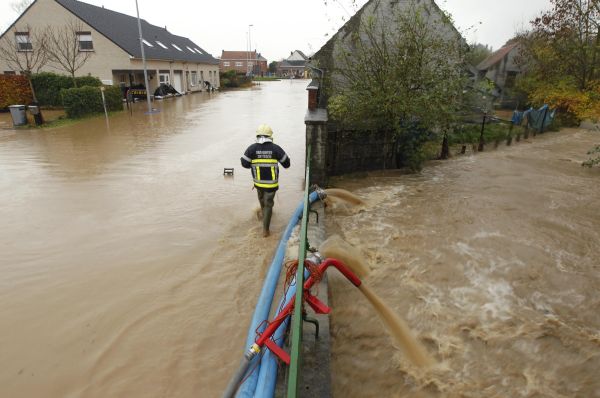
(253, 351)
(320, 192)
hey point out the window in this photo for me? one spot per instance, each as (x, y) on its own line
(198, 51)
(146, 42)
(194, 78)
(23, 41)
(162, 45)
(192, 51)
(226, 63)
(174, 45)
(85, 41)
(239, 64)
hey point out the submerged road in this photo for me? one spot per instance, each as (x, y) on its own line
(130, 265)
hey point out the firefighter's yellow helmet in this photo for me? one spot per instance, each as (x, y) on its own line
(264, 130)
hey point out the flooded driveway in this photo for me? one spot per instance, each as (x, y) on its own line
(493, 260)
(130, 265)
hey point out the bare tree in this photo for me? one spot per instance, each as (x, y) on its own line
(25, 52)
(66, 49)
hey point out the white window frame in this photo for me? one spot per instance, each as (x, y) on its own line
(226, 63)
(192, 51)
(164, 78)
(162, 45)
(23, 42)
(176, 47)
(198, 51)
(85, 35)
(146, 42)
(238, 63)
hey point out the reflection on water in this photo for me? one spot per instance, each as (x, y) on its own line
(128, 260)
(492, 259)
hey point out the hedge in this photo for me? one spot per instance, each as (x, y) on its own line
(83, 101)
(14, 90)
(48, 85)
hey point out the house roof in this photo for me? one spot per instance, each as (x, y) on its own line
(292, 64)
(122, 30)
(496, 57)
(238, 55)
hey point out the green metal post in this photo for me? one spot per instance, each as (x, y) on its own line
(296, 328)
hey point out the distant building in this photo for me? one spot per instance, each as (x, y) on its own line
(502, 69)
(113, 38)
(243, 62)
(294, 65)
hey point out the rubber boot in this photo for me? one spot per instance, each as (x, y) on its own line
(267, 212)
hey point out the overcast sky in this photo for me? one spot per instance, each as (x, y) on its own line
(280, 26)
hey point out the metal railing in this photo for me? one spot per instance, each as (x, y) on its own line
(296, 326)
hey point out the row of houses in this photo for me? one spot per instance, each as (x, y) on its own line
(252, 62)
(110, 41)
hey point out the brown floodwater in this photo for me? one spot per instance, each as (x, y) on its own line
(493, 260)
(130, 265)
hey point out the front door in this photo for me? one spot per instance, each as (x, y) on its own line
(177, 84)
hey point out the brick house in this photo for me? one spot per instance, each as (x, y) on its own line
(243, 62)
(113, 38)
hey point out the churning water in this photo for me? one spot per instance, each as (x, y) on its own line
(493, 260)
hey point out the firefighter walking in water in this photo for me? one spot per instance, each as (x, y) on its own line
(263, 157)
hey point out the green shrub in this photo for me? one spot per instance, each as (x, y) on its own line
(48, 86)
(114, 98)
(91, 81)
(87, 100)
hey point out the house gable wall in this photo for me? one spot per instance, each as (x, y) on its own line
(106, 55)
(108, 59)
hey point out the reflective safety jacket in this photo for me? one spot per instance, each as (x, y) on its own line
(264, 161)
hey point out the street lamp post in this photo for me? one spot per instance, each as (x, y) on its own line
(143, 58)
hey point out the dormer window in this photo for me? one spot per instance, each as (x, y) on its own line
(85, 41)
(162, 45)
(175, 46)
(23, 41)
(146, 42)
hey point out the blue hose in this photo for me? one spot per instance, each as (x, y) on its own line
(267, 376)
(265, 300)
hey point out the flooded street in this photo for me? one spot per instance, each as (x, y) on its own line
(494, 262)
(130, 265)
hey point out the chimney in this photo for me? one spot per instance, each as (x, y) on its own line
(313, 95)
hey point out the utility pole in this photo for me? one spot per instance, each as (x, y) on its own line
(249, 69)
(143, 58)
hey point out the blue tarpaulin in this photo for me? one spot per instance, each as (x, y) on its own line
(517, 118)
(539, 119)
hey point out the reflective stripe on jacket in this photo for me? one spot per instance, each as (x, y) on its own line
(263, 159)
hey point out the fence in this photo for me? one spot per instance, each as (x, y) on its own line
(494, 130)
